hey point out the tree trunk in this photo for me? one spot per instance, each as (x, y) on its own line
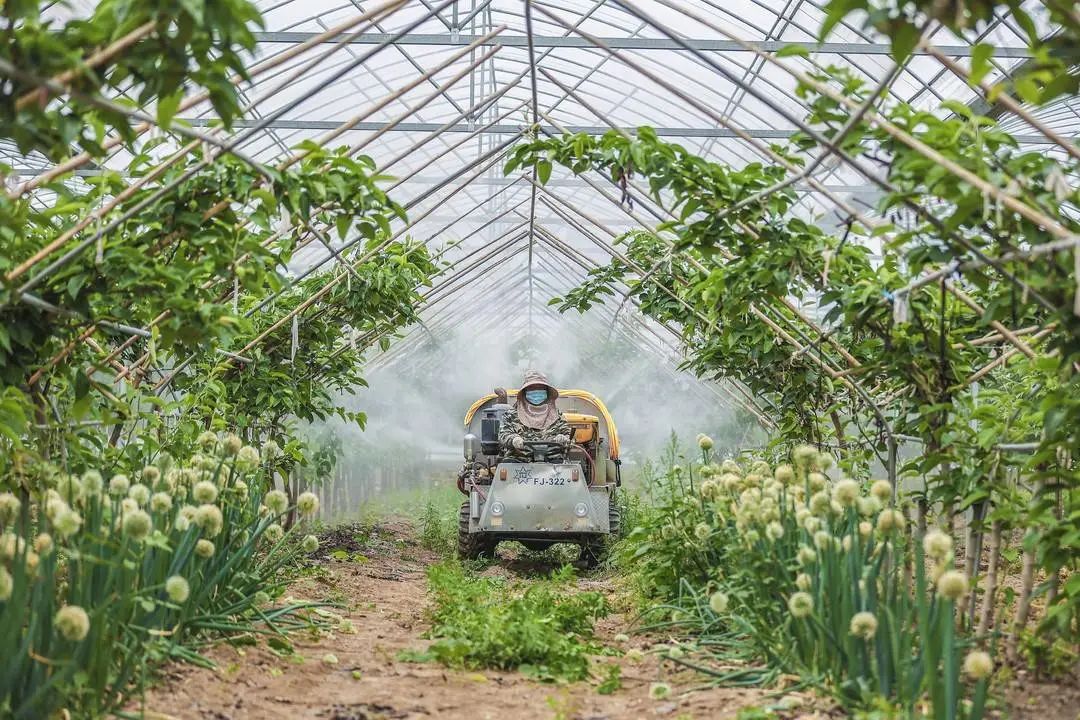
(1023, 606)
(990, 585)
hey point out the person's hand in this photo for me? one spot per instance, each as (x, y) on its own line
(562, 439)
(517, 442)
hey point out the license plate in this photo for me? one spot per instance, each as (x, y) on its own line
(527, 475)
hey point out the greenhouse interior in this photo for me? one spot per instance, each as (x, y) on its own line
(580, 360)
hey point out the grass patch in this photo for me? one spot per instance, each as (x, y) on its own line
(542, 628)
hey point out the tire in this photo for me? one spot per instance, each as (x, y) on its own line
(614, 515)
(472, 546)
(594, 549)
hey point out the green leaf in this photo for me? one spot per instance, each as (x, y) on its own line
(793, 51)
(904, 39)
(342, 223)
(167, 106)
(543, 171)
(980, 61)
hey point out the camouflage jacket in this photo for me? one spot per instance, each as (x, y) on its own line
(511, 426)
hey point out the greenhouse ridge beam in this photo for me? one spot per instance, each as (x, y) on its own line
(690, 132)
(501, 128)
(640, 43)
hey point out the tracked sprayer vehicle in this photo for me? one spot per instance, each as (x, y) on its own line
(566, 494)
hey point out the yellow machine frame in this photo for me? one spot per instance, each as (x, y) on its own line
(597, 403)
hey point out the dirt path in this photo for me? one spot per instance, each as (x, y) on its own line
(383, 587)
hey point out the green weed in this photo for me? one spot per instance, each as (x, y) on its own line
(541, 628)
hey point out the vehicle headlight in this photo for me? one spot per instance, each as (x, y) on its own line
(497, 508)
(581, 510)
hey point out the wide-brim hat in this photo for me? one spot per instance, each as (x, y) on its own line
(538, 379)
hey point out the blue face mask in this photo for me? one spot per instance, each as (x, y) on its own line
(536, 397)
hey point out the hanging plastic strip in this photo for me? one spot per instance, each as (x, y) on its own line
(295, 339)
(901, 307)
(1076, 273)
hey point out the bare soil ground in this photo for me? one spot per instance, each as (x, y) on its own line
(377, 577)
(383, 587)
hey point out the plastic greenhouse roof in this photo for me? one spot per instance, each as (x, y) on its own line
(438, 150)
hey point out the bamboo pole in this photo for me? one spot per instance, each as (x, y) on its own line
(104, 55)
(74, 163)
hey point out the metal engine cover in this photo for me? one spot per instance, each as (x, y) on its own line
(540, 498)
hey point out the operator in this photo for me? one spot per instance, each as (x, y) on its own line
(535, 418)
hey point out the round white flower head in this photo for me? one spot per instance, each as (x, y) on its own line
(634, 655)
(204, 492)
(177, 588)
(137, 524)
(823, 540)
(804, 582)
(92, 482)
(273, 533)
(863, 625)
(730, 466)
(761, 468)
(11, 545)
(784, 474)
(70, 487)
(952, 585)
(139, 493)
(868, 506)
(621, 638)
(188, 512)
(817, 481)
(43, 543)
(806, 555)
(72, 622)
(751, 537)
(705, 442)
(182, 523)
(54, 504)
(676, 469)
(865, 528)
(846, 492)
(676, 652)
(937, 544)
(9, 507)
(119, 485)
(206, 463)
(240, 488)
(270, 450)
(659, 691)
(774, 531)
(128, 505)
(882, 490)
(161, 502)
(890, 520)
(208, 518)
(207, 441)
(811, 524)
(204, 549)
(847, 543)
(330, 659)
(718, 603)
(7, 584)
(67, 523)
(978, 665)
(248, 458)
(804, 456)
(707, 471)
(231, 444)
(819, 504)
(307, 504)
(151, 474)
(801, 605)
(310, 544)
(702, 531)
(277, 501)
(824, 460)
